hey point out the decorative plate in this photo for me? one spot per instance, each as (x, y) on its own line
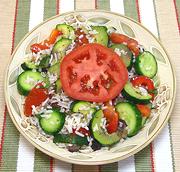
(164, 100)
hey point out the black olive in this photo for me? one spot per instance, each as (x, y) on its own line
(73, 148)
(96, 145)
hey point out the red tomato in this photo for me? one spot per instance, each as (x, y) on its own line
(35, 97)
(38, 47)
(144, 109)
(118, 38)
(112, 119)
(133, 46)
(80, 38)
(145, 82)
(93, 73)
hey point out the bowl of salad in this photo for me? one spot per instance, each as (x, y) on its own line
(90, 87)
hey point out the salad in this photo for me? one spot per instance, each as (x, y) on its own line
(88, 86)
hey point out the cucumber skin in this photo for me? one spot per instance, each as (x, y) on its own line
(133, 99)
(131, 58)
(92, 133)
(73, 104)
(130, 66)
(72, 139)
(137, 67)
(138, 118)
(139, 121)
(44, 63)
(25, 67)
(62, 119)
(21, 90)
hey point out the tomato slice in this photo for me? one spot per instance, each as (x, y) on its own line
(145, 82)
(144, 109)
(35, 97)
(93, 73)
(112, 119)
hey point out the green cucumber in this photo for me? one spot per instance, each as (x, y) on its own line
(146, 64)
(99, 134)
(67, 30)
(131, 115)
(58, 85)
(53, 122)
(126, 54)
(82, 107)
(27, 80)
(134, 95)
(55, 69)
(101, 37)
(28, 65)
(70, 138)
(61, 46)
(44, 63)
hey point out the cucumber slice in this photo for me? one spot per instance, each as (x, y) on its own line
(27, 80)
(101, 37)
(99, 134)
(69, 138)
(125, 54)
(58, 85)
(67, 30)
(28, 65)
(53, 122)
(146, 64)
(61, 46)
(133, 94)
(82, 107)
(44, 63)
(131, 115)
(55, 69)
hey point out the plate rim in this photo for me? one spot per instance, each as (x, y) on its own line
(79, 162)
